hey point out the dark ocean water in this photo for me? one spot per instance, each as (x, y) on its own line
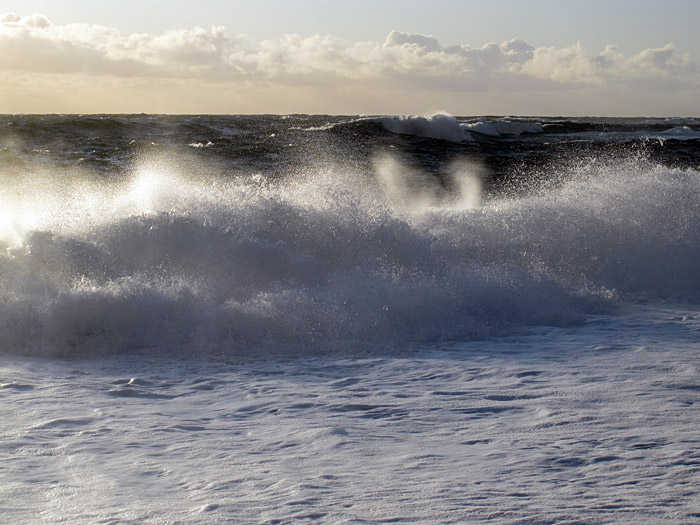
(511, 149)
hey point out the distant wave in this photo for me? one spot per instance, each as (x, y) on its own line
(673, 121)
(498, 128)
(443, 126)
(680, 133)
(439, 126)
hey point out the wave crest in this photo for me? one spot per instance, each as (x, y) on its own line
(186, 264)
(440, 126)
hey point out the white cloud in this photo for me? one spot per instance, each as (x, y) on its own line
(565, 65)
(660, 62)
(32, 44)
(422, 43)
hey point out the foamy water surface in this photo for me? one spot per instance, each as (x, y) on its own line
(590, 424)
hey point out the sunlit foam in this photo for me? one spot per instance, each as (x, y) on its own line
(77, 203)
(144, 189)
(15, 220)
(8, 233)
(442, 126)
(156, 187)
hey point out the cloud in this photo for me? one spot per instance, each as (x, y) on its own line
(32, 43)
(427, 44)
(659, 62)
(403, 61)
(565, 65)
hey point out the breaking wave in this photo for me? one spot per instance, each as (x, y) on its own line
(443, 126)
(439, 126)
(331, 260)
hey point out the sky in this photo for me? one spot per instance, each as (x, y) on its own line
(465, 57)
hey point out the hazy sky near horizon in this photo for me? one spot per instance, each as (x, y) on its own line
(624, 57)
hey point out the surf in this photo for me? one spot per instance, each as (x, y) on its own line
(189, 262)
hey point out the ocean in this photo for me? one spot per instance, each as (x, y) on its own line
(349, 319)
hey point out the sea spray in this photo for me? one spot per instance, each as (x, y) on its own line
(411, 190)
(164, 259)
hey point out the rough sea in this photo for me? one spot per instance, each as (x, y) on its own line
(361, 319)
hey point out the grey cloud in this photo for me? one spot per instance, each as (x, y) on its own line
(428, 43)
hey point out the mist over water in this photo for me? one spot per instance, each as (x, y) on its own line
(175, 255)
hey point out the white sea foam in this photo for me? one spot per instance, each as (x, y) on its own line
(325, 127)
(446, 127)
(593, 423)
(439, 126)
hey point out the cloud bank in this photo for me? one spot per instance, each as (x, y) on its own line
(81, 67)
